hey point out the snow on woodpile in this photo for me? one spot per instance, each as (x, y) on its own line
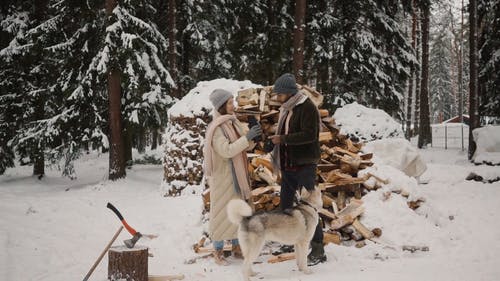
(366, 124)
(488, 145)
(187, 122)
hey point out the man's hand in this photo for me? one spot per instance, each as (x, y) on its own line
(276, 139)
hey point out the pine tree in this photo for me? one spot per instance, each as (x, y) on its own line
(425, 135)
(369, 53)
(440, 83)
(28, 77)
(473, 87)
(75, 115)
(489, 63)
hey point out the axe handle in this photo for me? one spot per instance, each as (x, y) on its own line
(124, 222)
(102, 254)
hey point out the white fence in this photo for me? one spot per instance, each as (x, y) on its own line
(450, 135)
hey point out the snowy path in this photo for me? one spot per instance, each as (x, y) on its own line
(54, 229)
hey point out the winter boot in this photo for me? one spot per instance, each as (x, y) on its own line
(236, 250)
(317, 254)
(219, 257)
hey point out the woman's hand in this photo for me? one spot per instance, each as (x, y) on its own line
(254, 132)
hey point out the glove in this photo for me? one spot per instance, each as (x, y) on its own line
(254, 132)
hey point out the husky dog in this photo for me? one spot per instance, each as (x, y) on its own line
(293, 226)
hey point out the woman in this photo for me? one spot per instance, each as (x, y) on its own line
(226, 168)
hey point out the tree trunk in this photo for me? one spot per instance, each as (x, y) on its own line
(141, 140)
(172, 50)
(127, 135)
(424, 136)
(418, 70)
(116, 155)
(460, 69)
(473, 87)
(154, 141)
(412, 70)
(128, 264)
(298, 40)
(38, 157)
(116, 148)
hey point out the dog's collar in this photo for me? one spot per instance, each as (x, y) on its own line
(308, 204)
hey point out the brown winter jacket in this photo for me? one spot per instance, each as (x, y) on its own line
(302, 141)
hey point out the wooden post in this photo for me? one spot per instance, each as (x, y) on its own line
(128, 264)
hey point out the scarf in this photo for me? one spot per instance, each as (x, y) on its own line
(239, 162)
(286, 111)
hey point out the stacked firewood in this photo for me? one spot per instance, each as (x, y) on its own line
(183, 161)
(337, 172)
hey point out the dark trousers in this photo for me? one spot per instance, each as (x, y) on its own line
(291, 182)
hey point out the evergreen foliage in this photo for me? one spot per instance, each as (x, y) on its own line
(56, 56)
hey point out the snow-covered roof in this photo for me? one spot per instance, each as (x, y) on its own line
(197, 99)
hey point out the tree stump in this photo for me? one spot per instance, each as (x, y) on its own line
(128, 264)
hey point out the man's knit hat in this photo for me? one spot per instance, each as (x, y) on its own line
(285, 84)
(218, 97)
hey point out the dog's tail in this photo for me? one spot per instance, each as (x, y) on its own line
(237, 209)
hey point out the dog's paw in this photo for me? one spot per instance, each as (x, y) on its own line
(307, 270)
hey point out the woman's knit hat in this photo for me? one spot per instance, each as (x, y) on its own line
(285, 84)
(218, 97)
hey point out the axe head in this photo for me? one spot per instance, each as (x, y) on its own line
(130, 243)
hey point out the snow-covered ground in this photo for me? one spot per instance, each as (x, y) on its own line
(55, 228)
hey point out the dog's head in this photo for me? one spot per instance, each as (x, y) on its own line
(312, 197)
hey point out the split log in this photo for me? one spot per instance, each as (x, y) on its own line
(327, 200)
(341, 199)
(266, 175)
(276, 200)
(323, 113)
(367, 156)
(325, 137)
(350, 146)
(327, 214)
(197, 246)
(263, 199)
(262, 101)
(348, 214)
(257, 161)
(247, 97)
(353, 234)
(331, 237)
(210, 249)
(165, 277)
(265, 189)
(281, 257)
(365, 232)
(128, 264)
(314, 95)
(379, 179)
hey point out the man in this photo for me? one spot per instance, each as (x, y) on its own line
(296, 150)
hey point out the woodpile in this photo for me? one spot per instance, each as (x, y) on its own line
(337, 172)
(183, 161)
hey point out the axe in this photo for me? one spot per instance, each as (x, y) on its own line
(130, 243)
